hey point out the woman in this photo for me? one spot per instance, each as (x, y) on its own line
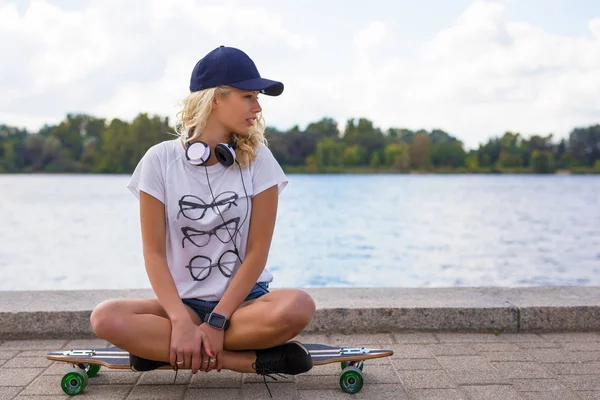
(208, 204)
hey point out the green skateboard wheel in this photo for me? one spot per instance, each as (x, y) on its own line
(351, 380)
(74, 382)
(92, 370)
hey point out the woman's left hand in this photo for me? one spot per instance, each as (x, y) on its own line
(215, 338)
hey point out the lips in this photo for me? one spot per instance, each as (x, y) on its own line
(250, 121)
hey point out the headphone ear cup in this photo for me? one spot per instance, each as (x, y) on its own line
(197, 153)
(225, 154)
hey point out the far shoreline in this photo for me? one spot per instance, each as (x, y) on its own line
(304, 170)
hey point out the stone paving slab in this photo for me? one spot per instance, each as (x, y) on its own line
(425, 366)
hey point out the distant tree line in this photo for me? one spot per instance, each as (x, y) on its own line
(86, 144)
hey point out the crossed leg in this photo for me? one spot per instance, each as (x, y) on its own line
(142, 327)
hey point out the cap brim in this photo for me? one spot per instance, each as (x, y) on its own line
(266, 86)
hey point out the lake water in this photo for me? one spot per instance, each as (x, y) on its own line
(82, 231)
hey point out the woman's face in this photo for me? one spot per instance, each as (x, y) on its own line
(237, 110)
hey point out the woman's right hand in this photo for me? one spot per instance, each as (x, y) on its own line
(186, 341)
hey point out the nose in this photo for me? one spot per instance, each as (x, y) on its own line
(256, 108)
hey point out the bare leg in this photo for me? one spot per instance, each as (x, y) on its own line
(142, 327)
(269, 320)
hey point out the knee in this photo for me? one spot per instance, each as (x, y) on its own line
(299, 310)
(106, 320)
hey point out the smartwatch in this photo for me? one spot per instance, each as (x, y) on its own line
(217, 321)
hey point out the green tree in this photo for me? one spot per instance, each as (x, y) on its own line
(399, 135)
(354, 156)
(330, 152)
(561, 155)
(420, 151)
(293, 146)
(584, 145)
(8, 157)
(375, 161)
(326, 127)
(365, 135)
(472, 161)
(536, 142)
(489, 154)
(397, 156)
(511, 151)
(116, 151)
(448, 154)
(311, 163)
(70, 134)
(542, 162)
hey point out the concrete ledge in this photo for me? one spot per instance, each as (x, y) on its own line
(65, 314)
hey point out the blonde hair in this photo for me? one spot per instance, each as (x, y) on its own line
(195, 111)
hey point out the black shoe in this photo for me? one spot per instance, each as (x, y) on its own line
(290, 358)
(140, 364)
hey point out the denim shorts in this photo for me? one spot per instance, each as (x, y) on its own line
(202, 307)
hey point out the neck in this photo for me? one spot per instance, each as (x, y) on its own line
(215, 133)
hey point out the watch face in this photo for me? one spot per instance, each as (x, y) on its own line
(216, 320)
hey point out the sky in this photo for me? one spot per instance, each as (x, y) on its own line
(475, 69)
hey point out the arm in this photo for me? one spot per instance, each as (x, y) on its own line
(186, 340)
(153, 221)
(262, 225)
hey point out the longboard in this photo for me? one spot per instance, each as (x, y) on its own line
(87, 363)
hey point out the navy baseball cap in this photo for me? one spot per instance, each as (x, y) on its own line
(232, 67)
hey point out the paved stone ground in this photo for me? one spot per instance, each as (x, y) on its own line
(445, 366)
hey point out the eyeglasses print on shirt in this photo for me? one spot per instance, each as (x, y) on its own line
(194, 208)
(201, 238)
(200, 267)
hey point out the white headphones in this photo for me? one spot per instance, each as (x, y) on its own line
(198, 153)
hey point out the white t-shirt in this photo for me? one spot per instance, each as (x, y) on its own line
(200, 252)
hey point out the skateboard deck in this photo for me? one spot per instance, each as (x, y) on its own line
(87, 363)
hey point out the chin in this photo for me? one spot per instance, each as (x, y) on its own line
(242, 131)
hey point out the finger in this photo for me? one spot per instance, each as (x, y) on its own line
(172, 356)
(196, 360)
(208, 349)
(219, 361)
(188, 359)
(209, 353)
(212, 363)
(180, 359)
(209, 365)
(205, 361)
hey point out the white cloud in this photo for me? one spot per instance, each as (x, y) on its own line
(371, 36)
(594, 26)
(161, 97)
